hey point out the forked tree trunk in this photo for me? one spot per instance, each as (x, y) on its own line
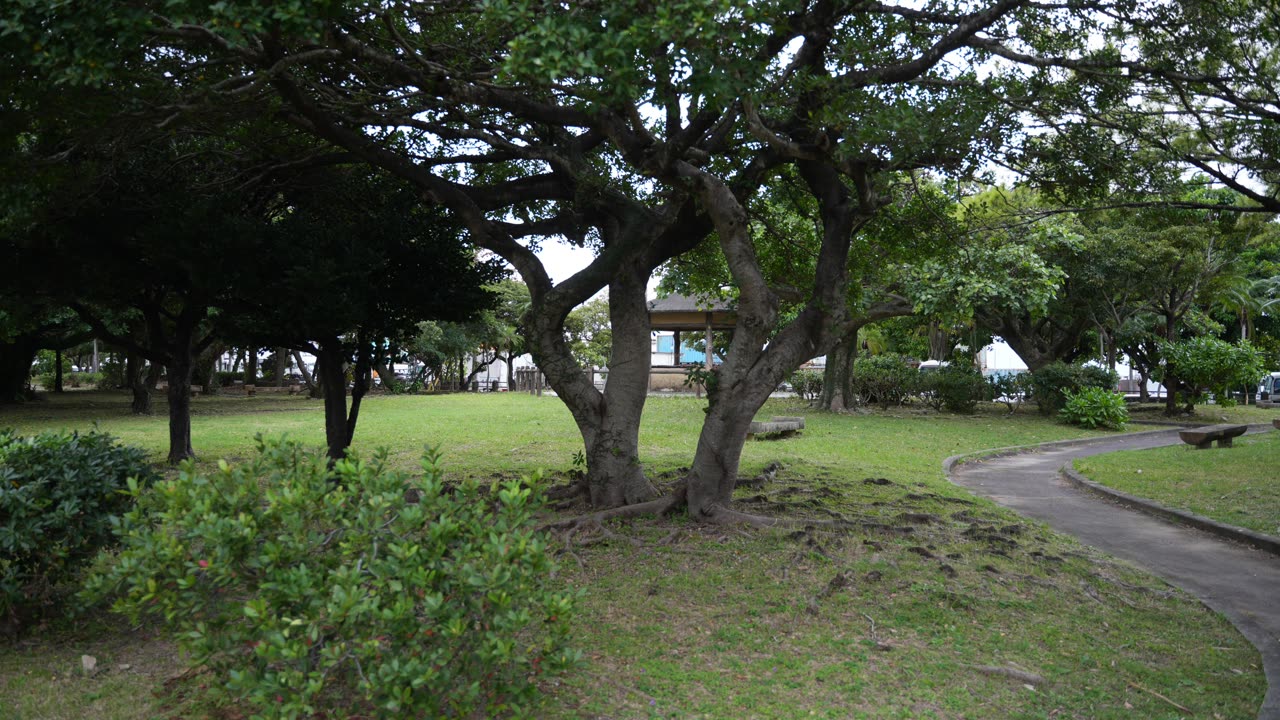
(610, 421)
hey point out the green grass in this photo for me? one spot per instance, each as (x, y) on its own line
(1238, 485)
(682, 620)
(1205, 413)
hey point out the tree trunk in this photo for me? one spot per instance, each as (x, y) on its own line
(282, 365)
(837, 380)
(179, 395)
(308, 378)
(1144, 395)
(16, 357)
(333, 379)
(235, 365)
(57, 371)
(139, 384)
(610, 421)
(203, 372)
(359, 387)
(251, 366)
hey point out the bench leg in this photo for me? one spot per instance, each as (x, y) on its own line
(1224, 442)
(1206, 445)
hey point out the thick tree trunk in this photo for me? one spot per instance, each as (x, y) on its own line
(179, 396)
(251, 366)
(282, 365)
(837, 380)
(16, 358)
(333, 379)
(139, 384)
(939, 341)
(610, 421)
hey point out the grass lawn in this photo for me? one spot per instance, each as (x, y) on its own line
(1238, 485)
(903, 619)
(1207, 414)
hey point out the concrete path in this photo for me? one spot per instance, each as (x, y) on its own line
(1240, 582)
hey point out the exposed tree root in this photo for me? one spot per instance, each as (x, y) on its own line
(652, 507)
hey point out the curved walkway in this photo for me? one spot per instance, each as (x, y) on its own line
(1240, 582)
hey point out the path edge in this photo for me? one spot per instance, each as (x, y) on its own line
(950, 463)
(1261, 541)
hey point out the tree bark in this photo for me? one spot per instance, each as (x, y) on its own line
(251, 366)
(359, 386)
(837, 379)
(57, 371)
(332, 377)
(282, 365)
(16, 357)
(179, 396)
(140, 384)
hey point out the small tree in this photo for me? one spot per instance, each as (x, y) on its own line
(1206, 364)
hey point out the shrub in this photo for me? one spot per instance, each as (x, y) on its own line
(226, 378)
(807, 383)
(1050, 383)
(1094, 407)
(356, 589)
(886, 379)
(955, 388)
(83, 379)
(1206, 363)
(1009, 388)
(59, 495)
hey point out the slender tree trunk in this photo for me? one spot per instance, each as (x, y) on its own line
(16, 357)
(308, 378)
(235, 365)
(179, 395)
(359, 387)
(251, 366)
(57, 371)
(333, 379)
(1144, 395)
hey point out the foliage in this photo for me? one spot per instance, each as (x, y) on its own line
(1051, 383)
(304, 588)
(589, 333)
(955, 388)
(886, 379)
(1010, 388)
(1095, 407)
(1206, 363)
(807, 383)
(59, 494)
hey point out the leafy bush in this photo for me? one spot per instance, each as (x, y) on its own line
(1051, 383)
(355, 589)
(1094, 407)
(886, 379)
(1009, 388)
(1207, 363)
(83, 379)
(59, 494)
(807, 383)
(954, 388)
(226, 378)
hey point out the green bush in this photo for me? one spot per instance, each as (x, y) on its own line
(351, 590)
(955, 388)
(1009, 388)
(1213, 365)
(885, 379)
(1051, 383)
(1094, 407)
(807, 383)
(59, 495)
(226, 378)
(83, 379)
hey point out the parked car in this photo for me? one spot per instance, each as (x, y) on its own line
(1269, 388)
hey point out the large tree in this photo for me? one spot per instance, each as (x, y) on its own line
(636, 130)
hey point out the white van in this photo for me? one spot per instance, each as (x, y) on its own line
(1269, 388)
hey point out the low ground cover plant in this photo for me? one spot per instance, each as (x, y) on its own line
(305, 588)
(59, 494)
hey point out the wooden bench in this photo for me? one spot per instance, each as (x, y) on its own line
(1276, 422)
(776, 427)
(1204, 437)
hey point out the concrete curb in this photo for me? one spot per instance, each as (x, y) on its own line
(1259, 540)
(949, 464)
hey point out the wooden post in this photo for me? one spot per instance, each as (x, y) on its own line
(538, 381)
